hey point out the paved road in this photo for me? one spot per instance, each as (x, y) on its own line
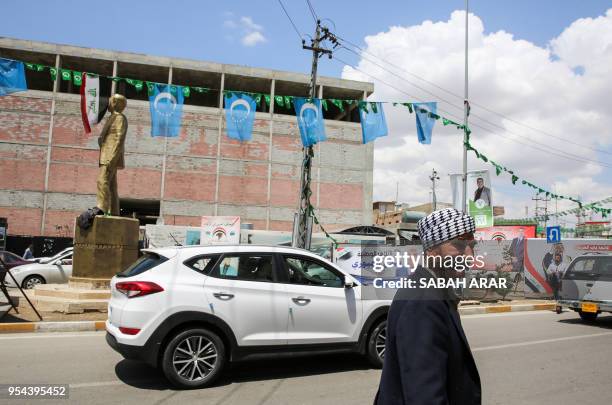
(524, 358)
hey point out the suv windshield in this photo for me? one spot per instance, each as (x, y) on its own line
(144, 263)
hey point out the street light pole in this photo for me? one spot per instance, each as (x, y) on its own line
(466, 112)
(433, 178)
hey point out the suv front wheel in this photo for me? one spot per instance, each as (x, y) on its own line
(193, 358)
(376, 344)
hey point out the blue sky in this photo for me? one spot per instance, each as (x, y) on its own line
(200, 30)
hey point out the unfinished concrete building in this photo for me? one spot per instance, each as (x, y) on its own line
(48, 164)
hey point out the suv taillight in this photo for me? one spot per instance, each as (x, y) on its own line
(134, 289)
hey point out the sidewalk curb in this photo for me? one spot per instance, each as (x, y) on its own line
(72, 326)
(496, 309)
(91, 326)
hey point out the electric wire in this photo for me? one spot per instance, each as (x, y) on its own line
(478, 125)
(472, 103)
(290, 20)
(564, 153)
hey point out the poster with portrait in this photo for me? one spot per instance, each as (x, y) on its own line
(479, 198)
(546, 263)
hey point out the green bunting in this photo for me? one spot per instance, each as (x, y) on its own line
(337, 103)
(66, 74)
(53, 73)
(77, 78)
(186, 91)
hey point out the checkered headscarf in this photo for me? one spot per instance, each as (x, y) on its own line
(442, 226)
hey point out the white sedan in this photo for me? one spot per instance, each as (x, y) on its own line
(54, 270)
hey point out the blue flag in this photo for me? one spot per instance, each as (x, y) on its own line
(12, 77)
(166, 105)
(310, 120)
(239, 115)
(424, 122)
(373, 123)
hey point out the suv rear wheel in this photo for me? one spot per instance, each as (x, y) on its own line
(193, 358)
(376, 344)
(588, 316)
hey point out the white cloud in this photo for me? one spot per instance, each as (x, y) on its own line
(248, 23)
(524, 82)
(250, 33)
(253, 38)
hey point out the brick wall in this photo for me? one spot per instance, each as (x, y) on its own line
(258, 182)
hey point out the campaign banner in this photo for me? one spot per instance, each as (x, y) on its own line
(479, 198)
(157, 236)
(546, 263)
(220, 230)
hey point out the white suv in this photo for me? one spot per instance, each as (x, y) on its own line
(190, 310)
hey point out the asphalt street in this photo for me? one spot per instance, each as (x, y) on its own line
(523, 358)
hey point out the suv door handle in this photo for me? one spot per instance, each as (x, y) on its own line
(589, 284)
(300, 300)
(223, 296)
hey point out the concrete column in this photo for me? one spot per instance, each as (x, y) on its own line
(114, 84)
(164, 159)
(219, 135)
(49, 143)
(268, 207)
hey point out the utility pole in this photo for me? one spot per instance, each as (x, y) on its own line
(433, 178)
(466, 112)
(302, 222)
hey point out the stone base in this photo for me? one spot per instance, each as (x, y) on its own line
(105, 249)
(69, 299)
(84, 283)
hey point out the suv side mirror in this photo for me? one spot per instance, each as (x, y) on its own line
(348, 282)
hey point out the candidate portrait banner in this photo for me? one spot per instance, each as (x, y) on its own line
(479, 198)
(544, 261)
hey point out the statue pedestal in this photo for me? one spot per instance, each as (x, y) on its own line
(100, 252)
(105, 249)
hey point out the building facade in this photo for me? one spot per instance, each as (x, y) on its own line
(49, 165)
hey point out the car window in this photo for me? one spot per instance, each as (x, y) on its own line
(202, 264)
(247, 267)
(301, 270)
(8, 258)
(146, 262)
(583, 266)
(604, 267)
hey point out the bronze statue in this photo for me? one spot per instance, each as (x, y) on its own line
(111, 141)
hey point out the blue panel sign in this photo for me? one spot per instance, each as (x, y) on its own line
(553, 234)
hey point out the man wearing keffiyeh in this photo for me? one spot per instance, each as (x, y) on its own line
(427, 356)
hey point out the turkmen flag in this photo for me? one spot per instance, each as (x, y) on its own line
(166, 105)
(310, 120)
(239, 115)
(12, 76)
(424, 120)
(95, 91)
(373, 123)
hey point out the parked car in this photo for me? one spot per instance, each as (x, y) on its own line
(586, 286)
(11, 260)
(191, 310)
(55, 270)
